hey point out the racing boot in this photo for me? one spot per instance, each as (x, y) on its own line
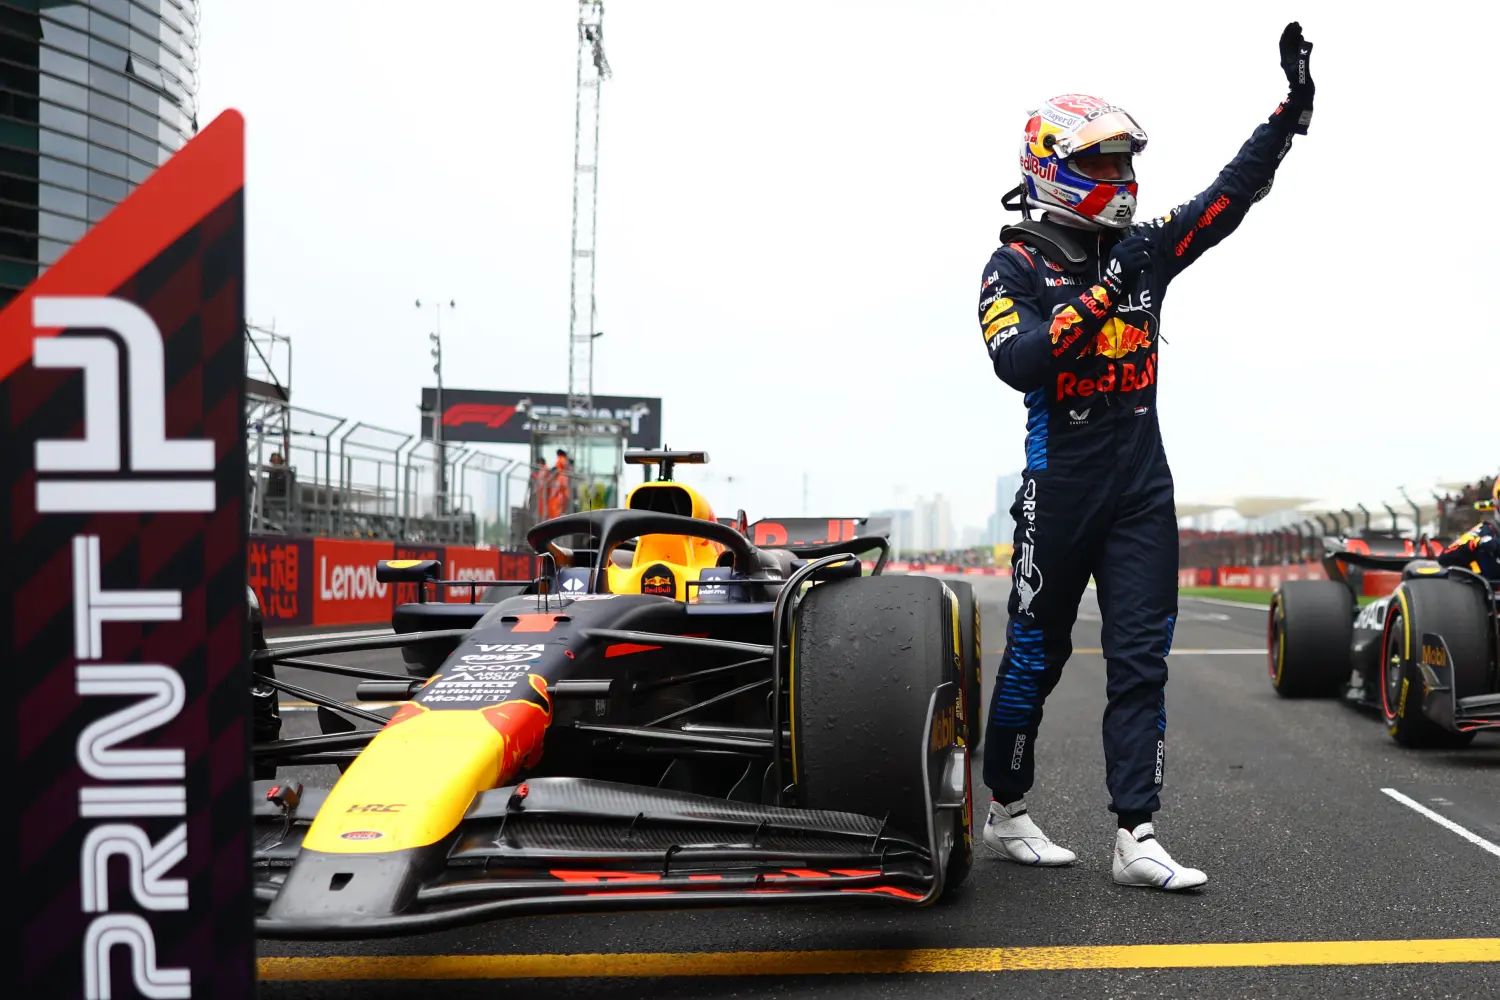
(1141, 860)
(1012, 834)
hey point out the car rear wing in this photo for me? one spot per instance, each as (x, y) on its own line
(802, 532)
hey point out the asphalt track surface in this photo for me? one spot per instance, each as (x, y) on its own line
(1281, 802)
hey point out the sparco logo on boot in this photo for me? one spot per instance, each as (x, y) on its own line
(1028, 576)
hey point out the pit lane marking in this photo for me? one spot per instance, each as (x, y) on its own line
(890, 962)
(1444, 822)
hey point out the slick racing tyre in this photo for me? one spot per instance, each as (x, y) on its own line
(1310, 629)
(971, 655)
(866, 656)
(1454, 610)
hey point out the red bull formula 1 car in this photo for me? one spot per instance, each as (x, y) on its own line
(1424, 656)
(667, 716)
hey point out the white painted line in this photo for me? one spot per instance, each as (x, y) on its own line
(1243, 605)
(368, 706)
(285, 640)
(1444, 822)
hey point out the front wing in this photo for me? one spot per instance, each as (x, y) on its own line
(570, 845)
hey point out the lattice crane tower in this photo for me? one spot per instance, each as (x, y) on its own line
(593, 69)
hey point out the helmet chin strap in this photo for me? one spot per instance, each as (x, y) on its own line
(1072, 223)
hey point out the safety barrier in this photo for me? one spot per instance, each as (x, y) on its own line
(1371, 583)
(331, 581)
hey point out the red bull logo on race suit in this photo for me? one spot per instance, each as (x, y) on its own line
(1118, 338)
(1125, 377)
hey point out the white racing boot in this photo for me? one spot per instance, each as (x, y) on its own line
(1011, 833)
(1141, 860)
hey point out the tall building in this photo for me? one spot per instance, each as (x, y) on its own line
(1003, 526)
(94, 96)
(901, 529)
(932, 524)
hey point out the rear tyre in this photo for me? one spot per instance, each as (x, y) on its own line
(866, 655)
(971, 659)
(1448, 608)
(1310, 630)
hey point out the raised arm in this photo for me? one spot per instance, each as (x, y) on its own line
(1184, 233)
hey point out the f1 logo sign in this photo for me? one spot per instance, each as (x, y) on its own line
(69, 479)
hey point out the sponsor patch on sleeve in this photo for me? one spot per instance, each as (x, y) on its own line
(1011, 319)
(999, 306)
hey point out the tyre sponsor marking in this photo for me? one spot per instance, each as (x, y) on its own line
(1444, 822)
(891, 961)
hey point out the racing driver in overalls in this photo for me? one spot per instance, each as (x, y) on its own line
(1070, 309)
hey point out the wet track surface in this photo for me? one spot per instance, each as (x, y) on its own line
(1281, 802)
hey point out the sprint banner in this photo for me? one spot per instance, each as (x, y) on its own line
(122, 377)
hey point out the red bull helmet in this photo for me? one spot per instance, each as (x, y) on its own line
(1076, 160)
(1492, 505)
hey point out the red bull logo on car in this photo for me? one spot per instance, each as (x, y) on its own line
(1118, 338)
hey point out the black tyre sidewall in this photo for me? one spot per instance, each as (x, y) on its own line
(972, 657)
(1427, 604)
(866, 655)
(1310, 631)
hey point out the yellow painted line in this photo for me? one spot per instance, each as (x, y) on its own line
(1178, 652)
(822, 963)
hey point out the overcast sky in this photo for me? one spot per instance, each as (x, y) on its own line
(796, 202)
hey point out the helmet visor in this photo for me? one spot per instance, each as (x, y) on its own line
(1124, 135)
(1097, 166)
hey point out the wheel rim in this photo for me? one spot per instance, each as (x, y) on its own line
(1391, 669)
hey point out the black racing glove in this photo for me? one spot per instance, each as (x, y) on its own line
(1295, 53)
(1130, 257)
(1084, 317)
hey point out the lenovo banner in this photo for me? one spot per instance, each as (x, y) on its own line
(331, 581)
(122, 377)
(504, 417)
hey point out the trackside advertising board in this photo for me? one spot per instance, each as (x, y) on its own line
(331, 581)
(127, 711)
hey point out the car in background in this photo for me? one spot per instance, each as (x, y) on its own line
(1423, 656)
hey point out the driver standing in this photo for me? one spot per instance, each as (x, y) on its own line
(1070, 309)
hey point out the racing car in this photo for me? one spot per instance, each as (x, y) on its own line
(668, 715)
(1424, 656)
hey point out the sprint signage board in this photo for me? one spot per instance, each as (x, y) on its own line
(122, 380)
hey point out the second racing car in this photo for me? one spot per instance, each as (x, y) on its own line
(1423, 656)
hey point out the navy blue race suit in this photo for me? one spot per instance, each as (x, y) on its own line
(1477, 549)
(1096, 496)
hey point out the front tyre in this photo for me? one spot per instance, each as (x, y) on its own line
(866, 656)
(1450, 611)
(971, 655)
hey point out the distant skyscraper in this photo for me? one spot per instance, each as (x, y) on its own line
(1006, 488)
(932, 524)
(901, 529)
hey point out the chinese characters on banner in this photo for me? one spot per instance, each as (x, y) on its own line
(331, 581)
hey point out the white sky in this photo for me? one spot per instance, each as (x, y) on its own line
(796, 201)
